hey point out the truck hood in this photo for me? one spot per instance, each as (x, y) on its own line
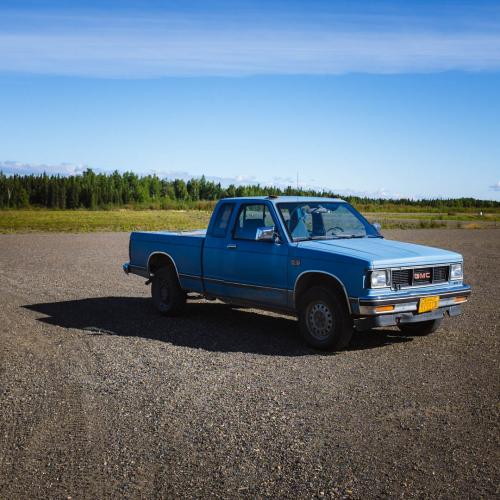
(380, 252)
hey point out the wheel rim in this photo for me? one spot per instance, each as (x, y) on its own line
(319, 319)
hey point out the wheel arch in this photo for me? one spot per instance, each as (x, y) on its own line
(307, 279)
(157, 260)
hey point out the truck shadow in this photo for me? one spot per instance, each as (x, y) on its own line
(204, 325)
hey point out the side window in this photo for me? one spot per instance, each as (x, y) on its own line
(249, 219)
(222, 220)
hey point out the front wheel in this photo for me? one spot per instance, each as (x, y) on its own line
(420, 328)
(324, 319)
(166, 292)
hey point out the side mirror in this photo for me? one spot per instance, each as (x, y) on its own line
(265, 233)
(377, 226)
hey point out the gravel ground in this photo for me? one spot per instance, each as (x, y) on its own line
(99, 396)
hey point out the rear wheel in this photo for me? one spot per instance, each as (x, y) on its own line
(166, 292)
(420, 328)
(324, 319)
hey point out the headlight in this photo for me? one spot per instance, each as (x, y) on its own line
(379, 279)
(456, 272)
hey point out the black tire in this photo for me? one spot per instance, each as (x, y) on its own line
(421, 328)
(166, 292)
(324, 319)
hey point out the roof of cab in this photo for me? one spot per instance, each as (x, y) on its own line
(284, 199)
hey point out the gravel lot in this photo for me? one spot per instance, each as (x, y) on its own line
(99, 396)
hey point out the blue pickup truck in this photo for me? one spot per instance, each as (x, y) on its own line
(317, 258)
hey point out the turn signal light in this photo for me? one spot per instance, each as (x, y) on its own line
(459, 300)
(383, 309)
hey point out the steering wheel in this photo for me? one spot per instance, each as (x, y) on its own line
(334, 228)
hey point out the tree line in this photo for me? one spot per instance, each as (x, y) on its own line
(91, 190)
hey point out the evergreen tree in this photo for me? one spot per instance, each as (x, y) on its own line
(91, 190)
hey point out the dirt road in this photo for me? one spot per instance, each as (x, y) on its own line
(99, 396)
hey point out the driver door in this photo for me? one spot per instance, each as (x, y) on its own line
(252, 270)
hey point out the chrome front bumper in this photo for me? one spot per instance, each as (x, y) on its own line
(368, 322)
(369, 307)
(394, 309)
(408, 301)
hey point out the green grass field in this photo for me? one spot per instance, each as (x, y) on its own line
(427, 220)
(25, 221)
(81, 221)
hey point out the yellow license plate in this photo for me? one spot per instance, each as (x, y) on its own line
(428, 303)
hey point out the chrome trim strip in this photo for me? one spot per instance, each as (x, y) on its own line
(190, 276)
(328, 274)
(422, 266)
(253, 303)
(411, 287)
(246, 285)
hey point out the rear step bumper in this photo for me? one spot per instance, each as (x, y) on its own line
(129, 268)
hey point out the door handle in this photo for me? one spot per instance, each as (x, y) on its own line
(231, 246)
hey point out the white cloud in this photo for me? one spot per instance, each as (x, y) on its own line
(16, 167)
(343, 192)
(284, 181)
(237, 180)
(496, 187)
(188, 44)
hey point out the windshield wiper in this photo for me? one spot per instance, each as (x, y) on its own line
(317, 237)
(336, 237)
(350, 236)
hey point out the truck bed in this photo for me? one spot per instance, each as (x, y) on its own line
(184, 247)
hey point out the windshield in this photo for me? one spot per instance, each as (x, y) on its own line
(324, 220)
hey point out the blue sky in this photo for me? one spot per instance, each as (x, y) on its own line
(377, 97)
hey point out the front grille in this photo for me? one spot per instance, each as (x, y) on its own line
(440, 274)
(401, 277)
(419, 276)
